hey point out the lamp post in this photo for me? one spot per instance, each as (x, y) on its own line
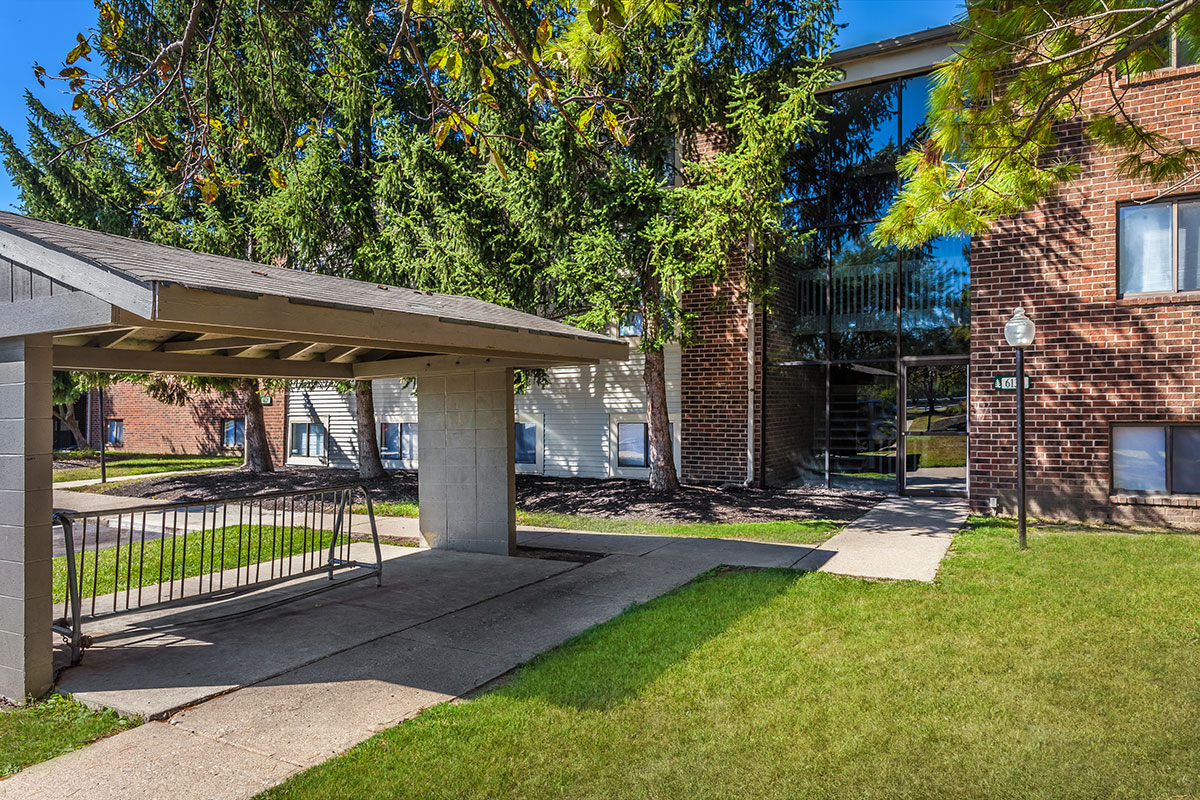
(1020, 332)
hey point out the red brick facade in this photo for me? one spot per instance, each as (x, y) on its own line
(713, 390)
(195, 428)
(1099, 358)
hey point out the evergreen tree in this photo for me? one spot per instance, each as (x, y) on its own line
(1000, 106)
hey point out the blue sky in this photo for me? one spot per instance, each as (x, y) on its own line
(44, 31)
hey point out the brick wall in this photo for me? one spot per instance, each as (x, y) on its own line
(1099, 358)
(713, 386)
(194, 428)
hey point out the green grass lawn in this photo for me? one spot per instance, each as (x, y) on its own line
(796, 532)
(144, 464)
(221, 543)
(50, 727)
(1068, 671)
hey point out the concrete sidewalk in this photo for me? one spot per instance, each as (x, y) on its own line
(266, 695)
(902, 538)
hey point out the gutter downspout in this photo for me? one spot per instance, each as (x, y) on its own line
(750, 375)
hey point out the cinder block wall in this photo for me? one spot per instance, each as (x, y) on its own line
(26, 504)
(195, 428)
(467, 480)
(1099, 358)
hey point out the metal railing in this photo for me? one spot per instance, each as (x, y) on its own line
(133, 558)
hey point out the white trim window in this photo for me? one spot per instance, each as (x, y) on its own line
(398, 442)
(529, 442)
(1156, 459)
(629, 445)
(308, 442)
(1159, 247)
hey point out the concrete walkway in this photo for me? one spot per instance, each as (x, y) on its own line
(902, 538)
(243, 703)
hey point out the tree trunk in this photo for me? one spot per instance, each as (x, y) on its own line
(66, 415)
(663, 477)
(258, 447)
(370, 466)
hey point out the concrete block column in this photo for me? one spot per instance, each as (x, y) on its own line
(467, 478)
(26, 504)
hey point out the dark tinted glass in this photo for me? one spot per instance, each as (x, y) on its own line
(1185, 460)
(914, 105)
(863, 147)
(935, 289)
(862, 423)
(864, 296)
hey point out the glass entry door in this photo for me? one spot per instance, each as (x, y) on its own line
(932, 416)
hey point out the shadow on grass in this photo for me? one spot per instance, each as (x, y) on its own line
(614, 662)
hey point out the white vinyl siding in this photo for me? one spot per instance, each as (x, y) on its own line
(576, 410)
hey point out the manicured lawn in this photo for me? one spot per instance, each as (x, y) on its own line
(400, 508)
(144, 464)
(232, 546)
(51, 727)
(1068, 671)
(794, 532)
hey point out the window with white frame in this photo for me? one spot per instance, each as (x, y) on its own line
(633, 444)
(631, 324)
(1159, 247)
(114, 432)
(398, 440)
(526, 442)
(233, 432)
(307, 440)
(1157, 459)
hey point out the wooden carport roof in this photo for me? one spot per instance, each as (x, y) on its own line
(115, 304)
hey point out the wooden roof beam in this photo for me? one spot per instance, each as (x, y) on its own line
(96, 359)
(225, 343)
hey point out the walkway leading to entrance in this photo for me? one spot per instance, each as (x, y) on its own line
(903, 538)
(266, 695)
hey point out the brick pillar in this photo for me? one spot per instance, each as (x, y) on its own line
(467, 479)
(26, 504)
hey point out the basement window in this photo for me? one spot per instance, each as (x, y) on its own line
(1159, 247)
(1156, 459)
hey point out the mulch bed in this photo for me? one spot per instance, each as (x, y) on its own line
(584, 496)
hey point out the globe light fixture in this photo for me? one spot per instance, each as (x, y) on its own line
(1020, 332)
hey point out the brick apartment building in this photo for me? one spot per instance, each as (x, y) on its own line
(210, 424)
(870, 368)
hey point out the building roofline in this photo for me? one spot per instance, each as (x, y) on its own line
(941, 34)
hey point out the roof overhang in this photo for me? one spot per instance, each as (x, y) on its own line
(901, 56)
(107, 319)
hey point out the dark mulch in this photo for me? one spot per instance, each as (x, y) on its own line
(585, 496)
